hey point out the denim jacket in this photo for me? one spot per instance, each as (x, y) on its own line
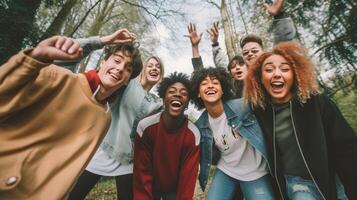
(241, 119)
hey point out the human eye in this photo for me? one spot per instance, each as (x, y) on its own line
(204, 83)
(245, 53)
(254, 51)
(184, 92)
(268, 69)
(285, 68)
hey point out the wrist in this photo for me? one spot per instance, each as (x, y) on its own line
(37, 55)
(215, 44)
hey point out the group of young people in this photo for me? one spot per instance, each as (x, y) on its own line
(61, 132)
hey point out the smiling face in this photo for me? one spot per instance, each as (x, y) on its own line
(278, 78)
(152, 72)
(176, 99)
(210, 91)
(238, 71)
(251, 51)
(115, 71)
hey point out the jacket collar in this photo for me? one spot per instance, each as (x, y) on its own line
(228, 106)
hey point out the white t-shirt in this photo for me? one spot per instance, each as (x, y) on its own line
(239, 159)
(104, 165)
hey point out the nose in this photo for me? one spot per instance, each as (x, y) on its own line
(119, 68)
(277, 73)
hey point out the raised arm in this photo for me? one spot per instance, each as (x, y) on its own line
(22, 80)
(195, 39)
(220, 59)
(94, 43)
(283, 27)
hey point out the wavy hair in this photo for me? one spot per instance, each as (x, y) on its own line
(146, 63)
(305, 82)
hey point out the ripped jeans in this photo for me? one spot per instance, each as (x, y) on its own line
(223, 187)
(302, 189)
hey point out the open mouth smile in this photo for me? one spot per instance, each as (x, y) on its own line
(277, 86)
(175, 104)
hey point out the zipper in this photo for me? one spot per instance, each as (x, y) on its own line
(274, 143)
(303, 157)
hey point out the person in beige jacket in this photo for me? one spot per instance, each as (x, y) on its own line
(51, 120)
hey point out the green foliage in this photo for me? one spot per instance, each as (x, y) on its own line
(347, 103)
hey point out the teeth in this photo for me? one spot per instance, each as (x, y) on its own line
(277, 84)
(176, 103)
(114, 76)
(210, 92)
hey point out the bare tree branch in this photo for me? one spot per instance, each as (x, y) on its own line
(84, 18)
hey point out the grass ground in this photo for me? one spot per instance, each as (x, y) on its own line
(105, 190)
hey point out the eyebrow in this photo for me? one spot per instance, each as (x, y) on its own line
(254, 48)
(281, 63)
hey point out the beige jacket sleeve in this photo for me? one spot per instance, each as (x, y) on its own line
(21, 83)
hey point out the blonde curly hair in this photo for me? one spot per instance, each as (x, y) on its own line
(305, 81)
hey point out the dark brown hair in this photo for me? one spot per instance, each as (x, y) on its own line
(251, 38)
(128, 49)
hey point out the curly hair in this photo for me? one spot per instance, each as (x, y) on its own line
(305, 82)
(172, 79)
(128, 49)
(220, 74)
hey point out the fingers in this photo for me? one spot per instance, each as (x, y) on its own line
(191, 28)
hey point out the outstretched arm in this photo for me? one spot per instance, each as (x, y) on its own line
(220, 59)
(22, 81)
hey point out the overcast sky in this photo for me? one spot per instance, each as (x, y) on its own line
(176, 52)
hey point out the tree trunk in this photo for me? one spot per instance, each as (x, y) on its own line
(59, 20)
(17, 23)
(228, 34)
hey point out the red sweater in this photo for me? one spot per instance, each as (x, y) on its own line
(165, 161)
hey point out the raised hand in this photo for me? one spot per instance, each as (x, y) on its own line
(57, 48)
(194, 36)
(275, 8)
(214, 32)
(118, 37)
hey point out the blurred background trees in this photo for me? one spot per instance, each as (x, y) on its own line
(327, 28)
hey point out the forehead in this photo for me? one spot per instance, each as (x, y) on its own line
(251, 45)
(153, 60)
(275, 59)
(120, 54)
(177, 85)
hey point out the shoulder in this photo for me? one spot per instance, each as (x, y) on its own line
(238, 105)
(202, 119)
(195, 131)
(147, 122)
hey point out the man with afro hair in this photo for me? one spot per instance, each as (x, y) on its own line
(166, 150)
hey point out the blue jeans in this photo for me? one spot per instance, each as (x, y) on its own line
(299, 188)
(224, 187)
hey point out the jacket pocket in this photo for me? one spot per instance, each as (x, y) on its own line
(11, 166)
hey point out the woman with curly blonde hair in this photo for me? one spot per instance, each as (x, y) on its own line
(311, 147)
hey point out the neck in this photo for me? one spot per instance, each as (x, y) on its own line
(215, 109)
(147, 86)
(172, 123)
(104, 93)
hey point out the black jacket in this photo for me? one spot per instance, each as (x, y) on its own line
(328, 144)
